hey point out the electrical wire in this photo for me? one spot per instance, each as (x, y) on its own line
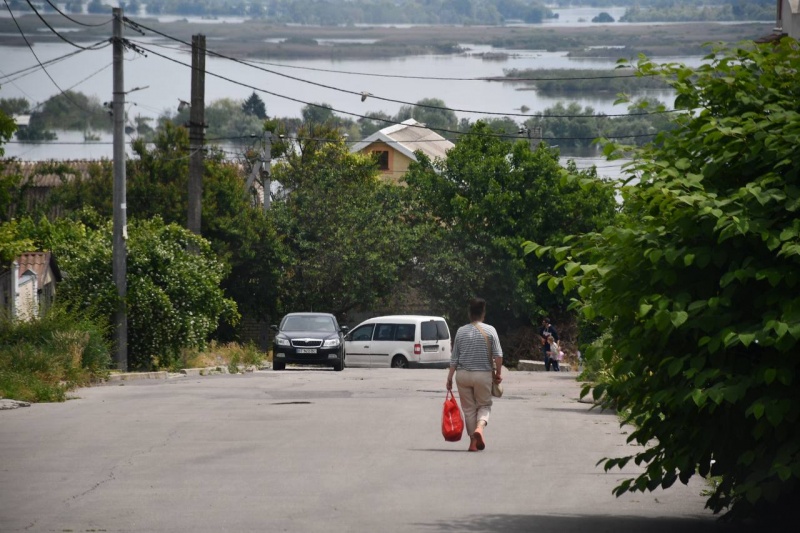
(30, 70)
(92, 47)
(394, 122)
(364, 95)
(77, 21)
(70, 100)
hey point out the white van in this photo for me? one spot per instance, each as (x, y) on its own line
(399, 341)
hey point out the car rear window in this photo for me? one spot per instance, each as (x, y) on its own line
(441, 328)
(429, 331)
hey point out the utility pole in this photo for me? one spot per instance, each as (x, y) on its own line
(262, 167)
(197, 132)
(265, 169)
(120, 228)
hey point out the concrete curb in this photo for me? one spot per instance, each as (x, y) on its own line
(538, 366)
(5, 403)
(132, 376)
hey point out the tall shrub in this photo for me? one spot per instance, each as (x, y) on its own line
(698, 286)
(174, 299)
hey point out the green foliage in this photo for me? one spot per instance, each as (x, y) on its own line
(15, 106)
(11, 243)
(7, 128)
(698, 286)
(42, 359)
(481, 202)
(71, 110)
(174, 298)
(555, 82)
(254, 106)
(688, 10)
(228, 120)
(432, 112)
(241, 234)
(342, 227)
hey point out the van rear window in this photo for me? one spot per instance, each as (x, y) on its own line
(441, 328)
(430, 331)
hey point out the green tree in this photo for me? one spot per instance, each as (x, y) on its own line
(9, 182)
(15, 106)
(254, 106)
(174, 296)
(317, 114)
(240, 233)
(432, 112)
(342, 227)
(72, 110)
(484, 200)
(697, 286)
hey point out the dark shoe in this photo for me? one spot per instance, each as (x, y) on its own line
(473, 445)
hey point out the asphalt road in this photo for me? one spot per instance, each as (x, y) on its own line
(315, 450)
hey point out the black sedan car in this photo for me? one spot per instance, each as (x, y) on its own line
(309, 339)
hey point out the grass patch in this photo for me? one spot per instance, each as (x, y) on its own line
(42, 359)
(230, 355)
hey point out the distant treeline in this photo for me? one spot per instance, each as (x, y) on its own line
(331, 13)
(555, 82)
(491, 12)
(565, 124)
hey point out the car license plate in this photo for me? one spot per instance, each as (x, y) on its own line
(306, 350)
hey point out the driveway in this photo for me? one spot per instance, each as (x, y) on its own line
(315, 450)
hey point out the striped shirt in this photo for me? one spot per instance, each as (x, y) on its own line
(470, 348)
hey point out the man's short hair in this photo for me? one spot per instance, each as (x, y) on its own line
(477, 308)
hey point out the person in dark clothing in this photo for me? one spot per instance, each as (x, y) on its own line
(546, 330)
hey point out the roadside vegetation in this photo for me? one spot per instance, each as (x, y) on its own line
(694, 288)
(41, 360)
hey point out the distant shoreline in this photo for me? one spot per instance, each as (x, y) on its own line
(257, 39)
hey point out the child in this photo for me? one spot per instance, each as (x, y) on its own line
(554, 352)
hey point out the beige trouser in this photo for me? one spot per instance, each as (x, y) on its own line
(475, 392)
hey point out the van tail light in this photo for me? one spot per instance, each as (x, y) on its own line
(417, 349)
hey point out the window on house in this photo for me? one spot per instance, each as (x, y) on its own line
(383, 159)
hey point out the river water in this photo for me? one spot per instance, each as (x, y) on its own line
(157, 84)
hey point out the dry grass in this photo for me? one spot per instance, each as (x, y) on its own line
(230, 355)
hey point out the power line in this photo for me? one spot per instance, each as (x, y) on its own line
(77, 21)
(388, 121)
(70, 100)
(29, 70)
(363, 95)
(92, 47)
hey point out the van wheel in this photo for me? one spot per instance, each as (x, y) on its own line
(399, 362)
(278, 366)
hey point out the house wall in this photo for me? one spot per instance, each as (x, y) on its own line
(27, 304)
(398, 163)
(790, 12)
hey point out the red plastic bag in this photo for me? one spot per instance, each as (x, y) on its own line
(452, 423)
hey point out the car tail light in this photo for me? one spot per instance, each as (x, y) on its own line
(417, 349)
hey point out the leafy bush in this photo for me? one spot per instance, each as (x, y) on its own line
(174, 299)
(698, 286)
(42, 359)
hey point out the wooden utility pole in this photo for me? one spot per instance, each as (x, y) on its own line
(197, 114)
(120, 224)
